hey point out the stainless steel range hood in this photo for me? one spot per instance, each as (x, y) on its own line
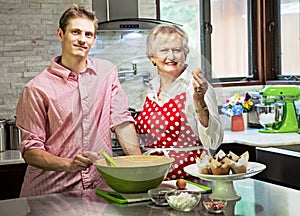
(122, 15)
(130, 24)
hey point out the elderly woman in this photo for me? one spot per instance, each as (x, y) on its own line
(180, 115)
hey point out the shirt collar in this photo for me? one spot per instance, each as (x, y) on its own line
(184, 77)
(59, 70)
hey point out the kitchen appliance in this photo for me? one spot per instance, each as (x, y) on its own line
(252, 121)
(122, 15)
(131, 24)
(277, 112)
(3, 135)
(107, 10)
(14, 135)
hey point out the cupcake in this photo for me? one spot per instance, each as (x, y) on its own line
(233, 156)
(240, 166)
(203, 163)
(220, 168)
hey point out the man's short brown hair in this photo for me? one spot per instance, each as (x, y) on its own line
(77, 11)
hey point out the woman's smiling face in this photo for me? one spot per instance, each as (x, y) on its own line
(168, 54)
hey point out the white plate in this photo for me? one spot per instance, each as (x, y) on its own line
(172, 184)
(252, 169)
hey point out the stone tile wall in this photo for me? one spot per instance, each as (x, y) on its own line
(28, 42)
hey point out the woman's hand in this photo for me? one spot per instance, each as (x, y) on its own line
(200, 87)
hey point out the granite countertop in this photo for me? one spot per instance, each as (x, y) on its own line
(258, 198)
(253, 137)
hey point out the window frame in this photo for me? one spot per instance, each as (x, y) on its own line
(254, 77)
(264, 42)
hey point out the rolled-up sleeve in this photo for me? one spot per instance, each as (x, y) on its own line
(119, 105)
(31, 114)
(212, 136)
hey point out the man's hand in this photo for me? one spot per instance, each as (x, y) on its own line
(80, 162)
(47, 161)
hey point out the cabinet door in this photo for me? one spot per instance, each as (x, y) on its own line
(11, 179)
(239, 149)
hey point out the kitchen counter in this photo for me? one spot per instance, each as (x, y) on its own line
(9, 157)
(252, 137)
(258, 198)
(278, 151)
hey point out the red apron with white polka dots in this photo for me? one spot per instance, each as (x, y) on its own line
(165, 131)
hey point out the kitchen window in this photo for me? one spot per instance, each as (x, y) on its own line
(290, 38)
(240, 42)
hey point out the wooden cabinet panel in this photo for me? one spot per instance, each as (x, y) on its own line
(239, 149)
(11, 179)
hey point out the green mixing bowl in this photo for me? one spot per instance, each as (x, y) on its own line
(135, 174)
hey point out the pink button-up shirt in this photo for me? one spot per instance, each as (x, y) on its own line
(65, 116)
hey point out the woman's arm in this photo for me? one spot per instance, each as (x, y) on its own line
(127, 138)
(211, 133)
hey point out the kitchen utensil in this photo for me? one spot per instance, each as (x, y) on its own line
(122, 198)
(3, 135)
(136, 173)
(158, 195)
(183, 200)
(108, 159)
(14, 135)
(215, 207)
(224, 189)
(192, 186)
(252, 121)
(94, 156)
(205, 188)
(277, 110)
(268, 115)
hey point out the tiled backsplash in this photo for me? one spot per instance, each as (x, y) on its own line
(127, 48)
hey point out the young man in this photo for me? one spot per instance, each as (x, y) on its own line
(69, 109)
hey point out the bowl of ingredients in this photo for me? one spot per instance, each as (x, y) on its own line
(134, 174)
(215, 207)
(158, 195)
(183, 200)
(270, 114)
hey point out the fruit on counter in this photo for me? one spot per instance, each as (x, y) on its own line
(223, 164)
(181, 184)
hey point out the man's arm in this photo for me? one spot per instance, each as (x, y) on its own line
(46, 161)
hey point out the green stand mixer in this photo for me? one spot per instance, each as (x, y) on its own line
(277, 112)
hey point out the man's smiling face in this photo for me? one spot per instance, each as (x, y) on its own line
(78, 38)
